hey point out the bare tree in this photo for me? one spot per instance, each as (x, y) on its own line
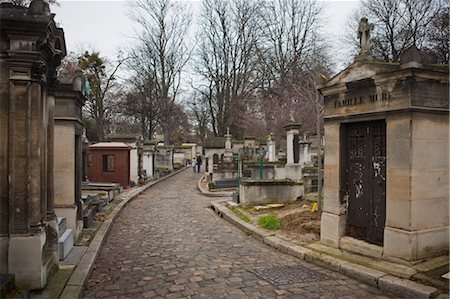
(227, 59)
(161, 52)
(199, 115)
(289, 36)
(104, 92)
(291, 48)
(398, 24)
(437, 37)
(140, 104)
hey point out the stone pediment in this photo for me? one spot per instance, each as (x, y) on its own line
(360, 70)
(369, 86)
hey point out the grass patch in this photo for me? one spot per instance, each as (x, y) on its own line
(239, 213)
(269, 222)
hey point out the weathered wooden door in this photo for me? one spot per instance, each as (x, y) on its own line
(365, 180)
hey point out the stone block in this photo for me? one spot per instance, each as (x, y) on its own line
(331, 202)
(437, 154)
(65, 243)
(405, 288)
(398, 126)
(364, 274)
(260, 192)
(332, 131)
(432, 242)
(429, 213)
(400, 244)
(426, 123)
(25, 260)
(361, 247)
(332, 228)
(398, 152)
(64, 167)
(331, 176)
(332, 152)
(398, 213)
(293, 172)
(429, 183)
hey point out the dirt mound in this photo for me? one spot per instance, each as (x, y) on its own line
(301, 222)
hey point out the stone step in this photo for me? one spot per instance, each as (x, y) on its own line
(377, 264)
(65, 243)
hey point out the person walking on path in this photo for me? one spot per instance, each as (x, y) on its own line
(199, 162)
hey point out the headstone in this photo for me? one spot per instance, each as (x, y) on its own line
(272, 149)
(305, 152)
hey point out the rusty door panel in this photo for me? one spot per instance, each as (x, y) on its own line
(366, 180)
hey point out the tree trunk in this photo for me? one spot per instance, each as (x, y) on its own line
(165, 129)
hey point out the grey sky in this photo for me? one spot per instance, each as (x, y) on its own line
(106, 27)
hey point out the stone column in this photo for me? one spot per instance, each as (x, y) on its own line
(69, 99)
(33, 48)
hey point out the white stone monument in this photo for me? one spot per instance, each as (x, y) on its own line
(272, 149)
(305, 152)
(228, 156)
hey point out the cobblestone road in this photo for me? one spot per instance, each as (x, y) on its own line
(167, 243)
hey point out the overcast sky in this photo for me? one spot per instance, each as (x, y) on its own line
(105, 26)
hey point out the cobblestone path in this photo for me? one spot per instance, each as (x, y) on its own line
(167, 243)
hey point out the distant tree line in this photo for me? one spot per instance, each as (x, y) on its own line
(254, 64)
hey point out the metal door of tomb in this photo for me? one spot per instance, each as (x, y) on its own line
(365, 180)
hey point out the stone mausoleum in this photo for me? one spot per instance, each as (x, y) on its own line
(386, 158)
(32, 46)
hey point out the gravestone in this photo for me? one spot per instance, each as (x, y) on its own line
(272, 149)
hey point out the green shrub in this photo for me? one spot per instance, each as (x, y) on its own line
(270, 221)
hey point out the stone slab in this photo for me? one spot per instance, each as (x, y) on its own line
(74, 256)
(361, 247)
(432, 264)
(405, 288)
(365, 274)
(380, 265)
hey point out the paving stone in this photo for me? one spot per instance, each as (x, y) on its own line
(166, 244)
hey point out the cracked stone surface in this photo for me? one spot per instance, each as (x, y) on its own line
(166, 243)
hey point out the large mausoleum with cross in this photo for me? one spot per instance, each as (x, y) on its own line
(386, 169)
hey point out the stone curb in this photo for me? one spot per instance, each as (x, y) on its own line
(75, 285)
(212, 194)
(401, 287)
